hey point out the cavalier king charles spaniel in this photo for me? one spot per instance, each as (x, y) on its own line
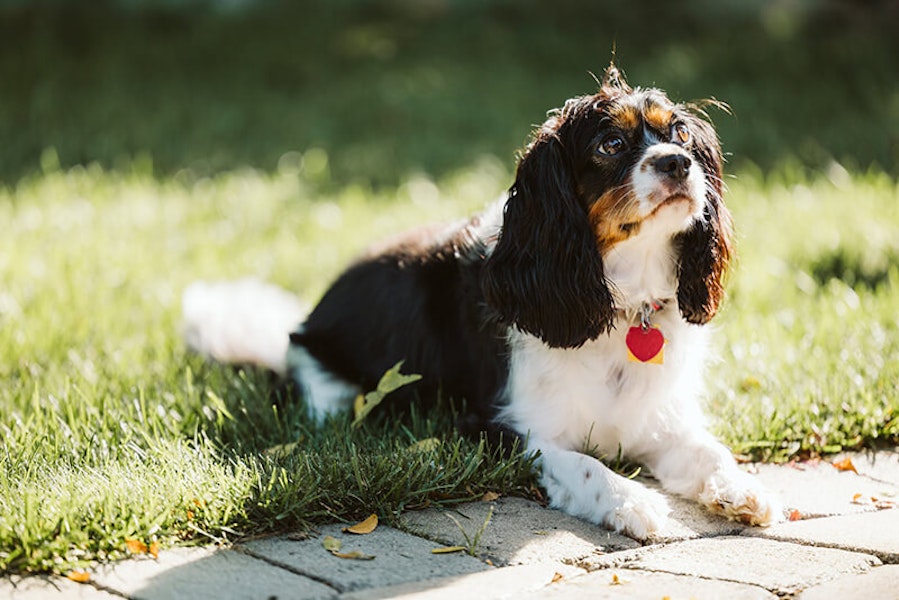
(572, 312)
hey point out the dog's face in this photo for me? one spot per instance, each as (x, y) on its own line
(638, 167)
(602, 169)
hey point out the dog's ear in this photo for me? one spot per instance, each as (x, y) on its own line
(706, 248)
(545, 275)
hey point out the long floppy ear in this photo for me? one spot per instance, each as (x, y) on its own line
(545, 275)
(706, 248)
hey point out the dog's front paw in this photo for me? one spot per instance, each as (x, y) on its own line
(739, 496)
(636, 510)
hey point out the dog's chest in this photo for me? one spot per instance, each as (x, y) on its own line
(594, 398)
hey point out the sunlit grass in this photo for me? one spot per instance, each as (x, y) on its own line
(111, 431)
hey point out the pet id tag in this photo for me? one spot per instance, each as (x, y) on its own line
(645, 344)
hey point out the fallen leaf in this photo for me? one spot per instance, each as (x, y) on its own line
(79, 576)
(425, 445)
(366, 526)
(490, 497)
(617, 580)
(154, 550)
(354, 555)
(135, 546)
(447, 549)
(857, 499)
(795, 515)
(331, 544)
(282, 450)
(390, 382)
(884, 504)
(557, 577)
(844, 465)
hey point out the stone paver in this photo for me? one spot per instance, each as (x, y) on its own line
(880, 583)
(874, 533)
(201, 573)
(818, 489)
(882, 465)
(506, 582)
(520, 532)
(612, 584)
(835, 551)
(50, 588)
(781, 567)
(399, 558)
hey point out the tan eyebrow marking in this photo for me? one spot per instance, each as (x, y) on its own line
(658, 117)
(625, 117)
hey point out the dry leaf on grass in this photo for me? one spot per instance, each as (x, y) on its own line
(490, 497)
(136, 546)
(366, 526)
(844, 465)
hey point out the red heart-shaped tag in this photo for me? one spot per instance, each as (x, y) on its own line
(644, 345)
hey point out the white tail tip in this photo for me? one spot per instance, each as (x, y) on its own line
(246, 321)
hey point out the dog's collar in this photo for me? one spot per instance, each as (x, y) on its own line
(643, 313)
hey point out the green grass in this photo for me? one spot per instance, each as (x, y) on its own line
(112, 431)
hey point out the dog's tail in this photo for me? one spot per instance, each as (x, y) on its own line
(246, 321)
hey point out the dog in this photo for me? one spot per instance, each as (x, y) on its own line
(572, 312)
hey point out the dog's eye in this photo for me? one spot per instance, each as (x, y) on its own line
(680, 133)
(611, 145)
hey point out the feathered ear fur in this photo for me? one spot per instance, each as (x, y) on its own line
(545, 275)
(705, 248)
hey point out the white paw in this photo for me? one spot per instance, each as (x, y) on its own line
(636, 511)
(739, 496)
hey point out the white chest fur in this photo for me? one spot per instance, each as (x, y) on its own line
(593, 399)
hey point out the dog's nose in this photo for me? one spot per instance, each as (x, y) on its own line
(675, 166)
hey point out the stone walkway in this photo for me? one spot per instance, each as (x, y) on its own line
(843, 543)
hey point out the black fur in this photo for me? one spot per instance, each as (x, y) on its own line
(705, 249)
(546, 275)
(421, 302)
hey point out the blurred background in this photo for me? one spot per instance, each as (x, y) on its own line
(381, 89)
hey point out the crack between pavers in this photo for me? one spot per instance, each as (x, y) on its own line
(291, 569)
(108, 590)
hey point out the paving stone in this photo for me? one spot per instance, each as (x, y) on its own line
(519, 532)
(880, 583)
(506, 582)
(200, 573)
(399, 558)
(819, 489)
(690, 520)
(611, 584)
(780, 567)
(50, 588)
(882, 465)
(872, 533)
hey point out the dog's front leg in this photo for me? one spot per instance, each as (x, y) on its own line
(690, 462)
(582, 486)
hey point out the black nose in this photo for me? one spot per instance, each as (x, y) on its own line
(675, 166)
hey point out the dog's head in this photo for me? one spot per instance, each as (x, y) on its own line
(600, 170)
